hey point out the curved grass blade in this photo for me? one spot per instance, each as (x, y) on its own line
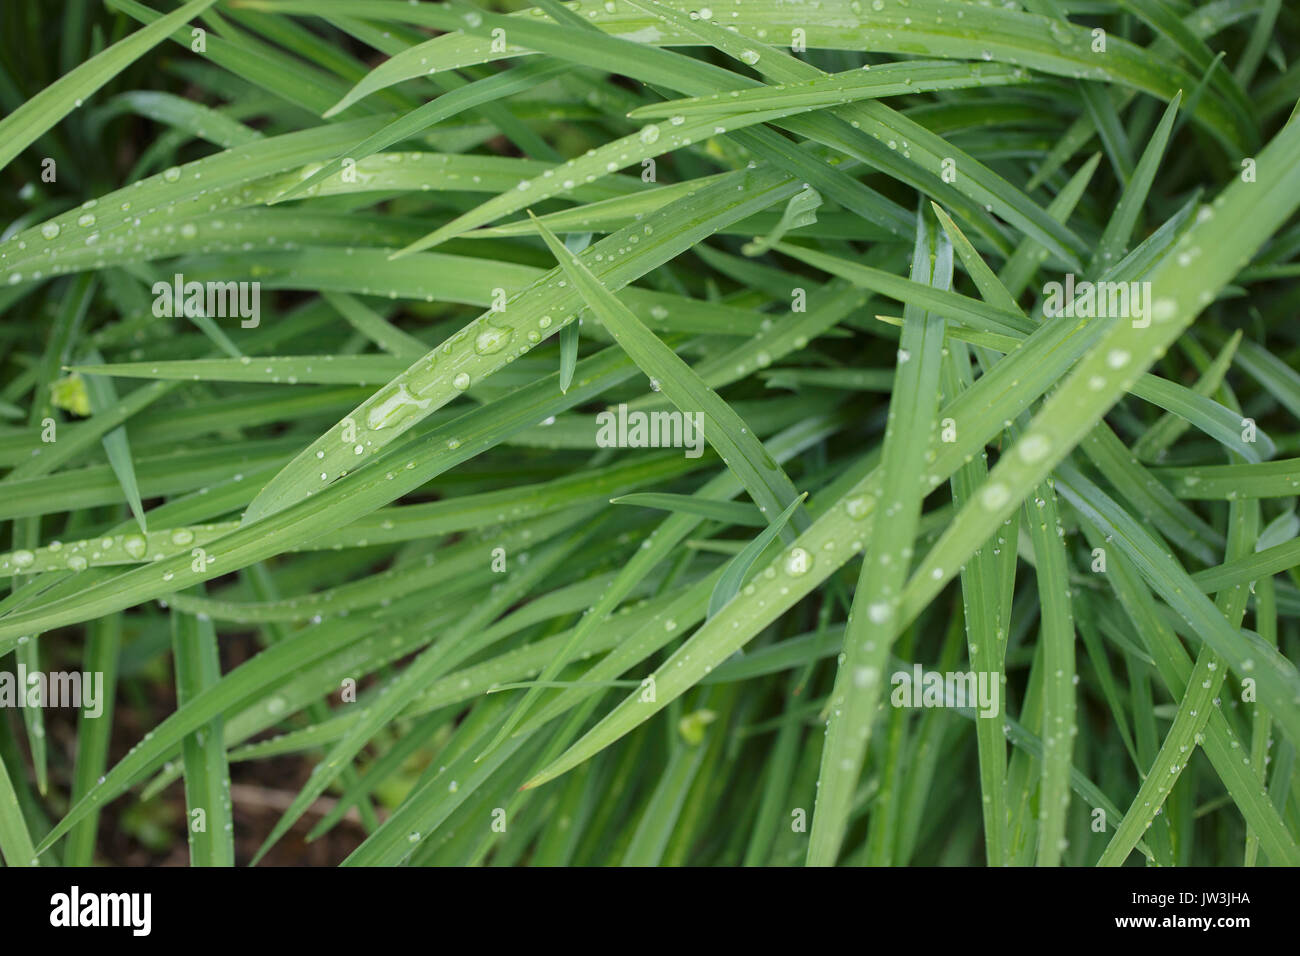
(737, 568)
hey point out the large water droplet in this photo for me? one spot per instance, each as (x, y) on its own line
(995, 496)
(396, 404)
(1034, 448)
(491, 339)
(858, 507)
(880, 612)
(797, 562)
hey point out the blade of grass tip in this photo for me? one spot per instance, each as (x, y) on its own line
(728, 585)
(990, 287)
(1164, 19)
(1113, 138)
(1119, 228)
(1154, 441)
(801, 210)
(43, 111)
(575, 243)
(1198, 91)
(208, 327)
(208, 817)
(739, 448)
(375, 327)
(1029, 255)
(872, 627)
(959, 308)
(103, 396)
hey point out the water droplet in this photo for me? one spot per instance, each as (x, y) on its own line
(1033, 448)
(491, 339)
(865, 676)
(50, 230)
(797, 562)
(392, 407)
(995, 496)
